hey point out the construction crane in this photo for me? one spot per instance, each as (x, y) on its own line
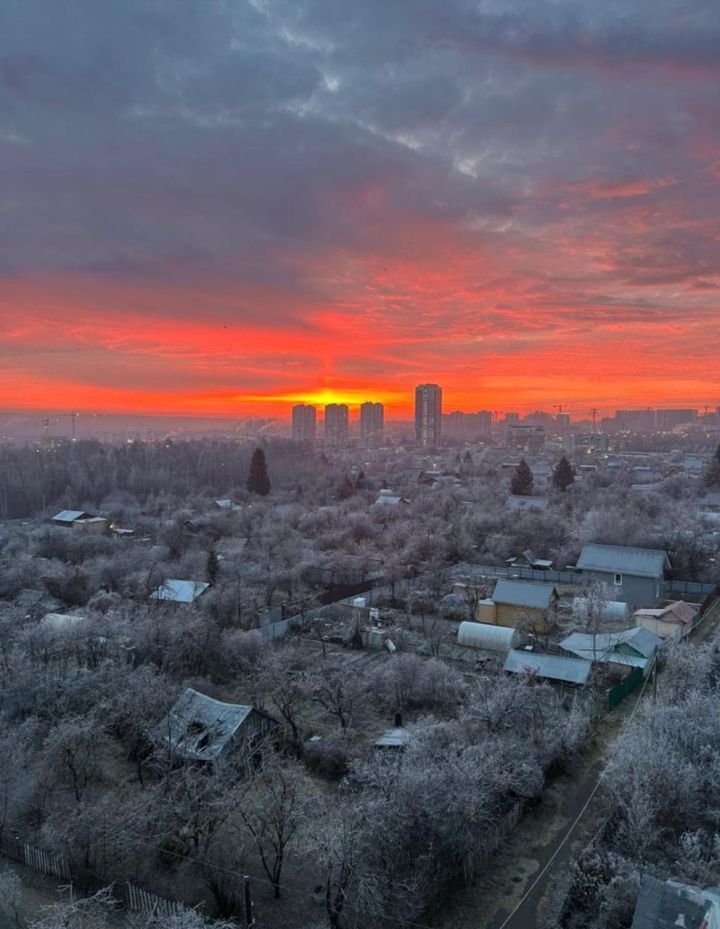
(73, 418)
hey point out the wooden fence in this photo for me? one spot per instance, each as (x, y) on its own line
(142, 901)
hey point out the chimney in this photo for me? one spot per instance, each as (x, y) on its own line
(398, 720)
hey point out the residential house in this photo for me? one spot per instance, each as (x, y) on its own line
(516, 603)
(198, 728)
(635, 574)
(670, 622)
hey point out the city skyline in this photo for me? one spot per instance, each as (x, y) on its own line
(265, 203)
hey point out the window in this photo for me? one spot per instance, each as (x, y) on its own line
(617, 580)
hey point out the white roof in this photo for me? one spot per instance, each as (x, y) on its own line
(487, 636)
(69, 516)
(179, 591)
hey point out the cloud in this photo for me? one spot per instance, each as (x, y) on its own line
(358, 190)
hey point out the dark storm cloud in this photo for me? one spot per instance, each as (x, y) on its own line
(219, 139)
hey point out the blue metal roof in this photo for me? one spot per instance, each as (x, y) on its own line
(619, 559)
(552, 667)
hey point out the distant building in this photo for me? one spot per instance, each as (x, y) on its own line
(526, 436)
(635, 420)
(428, 414)
(668, 419)
(466, 427)
(337, 424)
(304, 423)
(372, 423)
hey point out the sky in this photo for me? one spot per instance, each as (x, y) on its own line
(226, 206)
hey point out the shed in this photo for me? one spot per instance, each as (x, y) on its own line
(670, 904)
(91, 525)
(636, 574)
(528, 559)
(632, 648)
(669, 622)
(200, 728)
(486, 636)
(178, 591)
(551, 667)
(397, 739)
(514, 602)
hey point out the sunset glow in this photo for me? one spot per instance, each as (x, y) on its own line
(305, 212)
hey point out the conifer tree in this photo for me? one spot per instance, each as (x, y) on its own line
(258, 481)
(522, 480)
(563, 474)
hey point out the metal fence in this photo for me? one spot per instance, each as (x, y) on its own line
(626, 686)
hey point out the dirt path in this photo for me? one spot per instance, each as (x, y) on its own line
(542, 831)
(537, 837)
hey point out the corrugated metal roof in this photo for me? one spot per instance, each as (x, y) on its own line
(393, 738)
(199, 727)
(669, 904)
(552, 667)
(619, 559)
(604, 646)
(179, 591)
(523, 593)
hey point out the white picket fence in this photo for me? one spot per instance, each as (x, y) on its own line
(47, 862)
(142, 901)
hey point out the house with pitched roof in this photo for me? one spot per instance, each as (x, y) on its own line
(635, 575)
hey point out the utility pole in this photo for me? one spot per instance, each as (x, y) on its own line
(249, 921)
(73, 418)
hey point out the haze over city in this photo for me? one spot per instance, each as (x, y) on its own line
(231, 207)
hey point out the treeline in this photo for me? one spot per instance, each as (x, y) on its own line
(35, 478)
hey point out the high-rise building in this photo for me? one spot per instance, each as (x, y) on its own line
(337, 424)
(428, 414)
(640, 420)
(668, 419)
(372, 423)
(304, 423)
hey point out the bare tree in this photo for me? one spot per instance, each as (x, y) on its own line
(272, 811)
